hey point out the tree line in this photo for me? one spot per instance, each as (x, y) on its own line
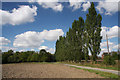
(82, 38)
(28, 56)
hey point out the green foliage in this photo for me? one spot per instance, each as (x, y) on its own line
(81, 38)
(34, 57)
(6, 55)
(28, 56)
(108, 60)
(115, 55)
(93, 29)
(70, 47)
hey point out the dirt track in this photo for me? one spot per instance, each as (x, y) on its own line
(37, 70)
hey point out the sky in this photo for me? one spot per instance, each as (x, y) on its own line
(37, 25)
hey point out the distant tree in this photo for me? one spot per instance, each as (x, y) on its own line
(14, 58)
(34, 57)
(23, 56)
(43, 55)
(10, 59)
(5, 56)
(115, 55)
(28, 56)
(50, 57)
(108, 60)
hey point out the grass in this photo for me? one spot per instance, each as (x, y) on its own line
(112, 67)
(103, 74)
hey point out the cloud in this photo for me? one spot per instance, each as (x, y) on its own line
(52, 35)
(28, 39)
(51, 50)
(4, 44)
(78, 4)
(116, 46)
(4, 41)
(111, 32)
(32, 49)
(108, 7)
(32, 39)
(104, 44)
(52, 4)
(22, 50)
(103, 47)
(56, 5)
(75, 4)
(6, 48)
(18, 16)
(42, 47)
(104, 50)
(112, 47)
(86, 6)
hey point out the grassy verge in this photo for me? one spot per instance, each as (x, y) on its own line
(113, 67)
(103, 74)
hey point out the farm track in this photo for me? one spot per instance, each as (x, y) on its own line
(99, 69)
(37, 70)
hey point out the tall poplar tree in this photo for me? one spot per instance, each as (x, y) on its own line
(93, 29)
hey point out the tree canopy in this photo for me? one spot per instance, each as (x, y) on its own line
(28, 56)
(82, 38)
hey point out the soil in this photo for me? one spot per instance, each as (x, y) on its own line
(37, 70)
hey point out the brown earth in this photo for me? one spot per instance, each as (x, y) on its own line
(37, 70)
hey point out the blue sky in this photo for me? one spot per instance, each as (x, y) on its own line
(53, 21)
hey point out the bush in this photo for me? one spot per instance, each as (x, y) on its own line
(108, 60)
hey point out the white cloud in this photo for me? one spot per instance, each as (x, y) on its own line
(76, 4)
(52, 4)
(51, 50)
(6, 48)
(104, 44)
(4, 41)
(18, 16)
(28, 39)
(32, 39)
(4, 44)
(112, 47)
(111, 32)
(23, 50)
(86, 6)
(42, 47)
(108, 6)
(56, 5)
(104, 50)
(116, 46)
(32, 49)
(52, 35)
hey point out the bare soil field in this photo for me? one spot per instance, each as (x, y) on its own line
(38, 70)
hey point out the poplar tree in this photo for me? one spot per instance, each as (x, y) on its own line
(93, 29)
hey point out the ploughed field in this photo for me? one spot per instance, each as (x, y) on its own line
(40, 70)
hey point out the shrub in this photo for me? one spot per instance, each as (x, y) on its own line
(108, 60)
